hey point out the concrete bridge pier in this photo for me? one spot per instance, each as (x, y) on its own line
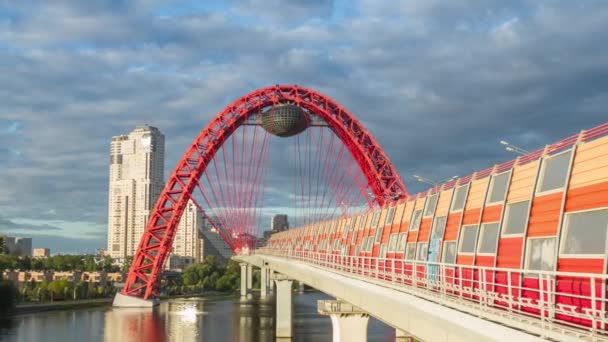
(284, 309)
(349, 323)
(246, 280)
(263, 282)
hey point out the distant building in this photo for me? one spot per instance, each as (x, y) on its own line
(41, 253)
(188, 244)
(279, 223)
(214, 244)
(136, 181)
(18, 246)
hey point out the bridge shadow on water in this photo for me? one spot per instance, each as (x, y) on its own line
(210, 319)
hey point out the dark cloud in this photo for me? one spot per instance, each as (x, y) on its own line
(437, 83)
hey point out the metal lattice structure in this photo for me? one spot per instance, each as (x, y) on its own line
(156, 242)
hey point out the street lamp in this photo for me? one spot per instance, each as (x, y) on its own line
(432, 182)
(512, 148)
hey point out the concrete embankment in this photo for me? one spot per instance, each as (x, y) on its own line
(67, 305)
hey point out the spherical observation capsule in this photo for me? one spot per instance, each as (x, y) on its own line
(285, 120)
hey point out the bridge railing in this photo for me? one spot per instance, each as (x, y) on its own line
(550, 302)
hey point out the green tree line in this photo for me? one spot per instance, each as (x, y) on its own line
(206, 276)
(86, 263)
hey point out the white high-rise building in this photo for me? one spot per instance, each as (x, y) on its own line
(136, 180)
(188, 240)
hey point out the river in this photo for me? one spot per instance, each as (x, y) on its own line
(214, 318)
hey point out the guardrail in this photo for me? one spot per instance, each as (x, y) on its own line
(548, 303)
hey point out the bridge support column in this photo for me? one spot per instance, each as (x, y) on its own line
(349, 323)
(263, 282)
(249, 281)
(244, 289)
(284, 310)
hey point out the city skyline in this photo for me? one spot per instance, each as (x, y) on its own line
(166, 66)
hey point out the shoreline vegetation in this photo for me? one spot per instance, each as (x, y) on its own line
(202, 279)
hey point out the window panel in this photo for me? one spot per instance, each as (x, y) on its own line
(489, 238)
(516, 218)
(383, 251)
(411, 251)
(449, 252)
(540, 254)
(354, 237)
(422, 251)
(459, 198)
(378, 235)
(416, 220)
(555, 171)
(390, 216)
(439, 227)
(375, 219)
(362, 222)
(431, 204)
(585, 232)
(402, 242)
(468, 239)
(392, 242)
(498, 190)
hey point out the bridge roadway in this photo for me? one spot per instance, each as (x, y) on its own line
(418, 317)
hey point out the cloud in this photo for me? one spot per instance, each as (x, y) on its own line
(437, 83)
(8, 225)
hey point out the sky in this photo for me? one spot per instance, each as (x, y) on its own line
(437, 83)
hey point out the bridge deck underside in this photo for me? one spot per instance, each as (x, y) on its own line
(422, 318)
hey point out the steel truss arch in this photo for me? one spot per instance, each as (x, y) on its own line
(159, 233)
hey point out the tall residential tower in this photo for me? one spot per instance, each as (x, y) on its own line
(136, 180)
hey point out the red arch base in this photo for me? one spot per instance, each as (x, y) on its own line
(157, 240)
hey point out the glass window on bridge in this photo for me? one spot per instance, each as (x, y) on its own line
(378, 235)
(554, 172)
(411, 251)
(416, 220)
(422, 251)
(392, 242)
(468, 239)
(585, 233)
(498, 188)
(439, 227)
(449, 252)
(460, 196)
(516, 218)
(402, 242)
(375, 219)
(489, 238)
(390, 217)
(383, 251)
(430, 205)
(540, 254)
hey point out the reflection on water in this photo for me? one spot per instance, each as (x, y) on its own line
(194, 319)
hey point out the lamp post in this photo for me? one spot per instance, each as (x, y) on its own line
(512, 148)
(432, 182)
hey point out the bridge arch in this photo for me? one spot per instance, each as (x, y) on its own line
(157, 240)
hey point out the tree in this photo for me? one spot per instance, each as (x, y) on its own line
(2, 246)
(127, 264)
(8, 297)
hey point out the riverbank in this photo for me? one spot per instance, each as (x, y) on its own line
(63, 305)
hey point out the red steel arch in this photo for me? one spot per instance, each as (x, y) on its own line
(157, 240)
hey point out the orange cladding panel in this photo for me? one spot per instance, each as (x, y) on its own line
(544, 215)
(587, 197)
(492, 214)
(452, 226)
(510, 252)
(425, 230)
(522, 182)
(471, 216)
(580, 265)
(443, 204)
(464, 259)
(590, 164)
(484, 260)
